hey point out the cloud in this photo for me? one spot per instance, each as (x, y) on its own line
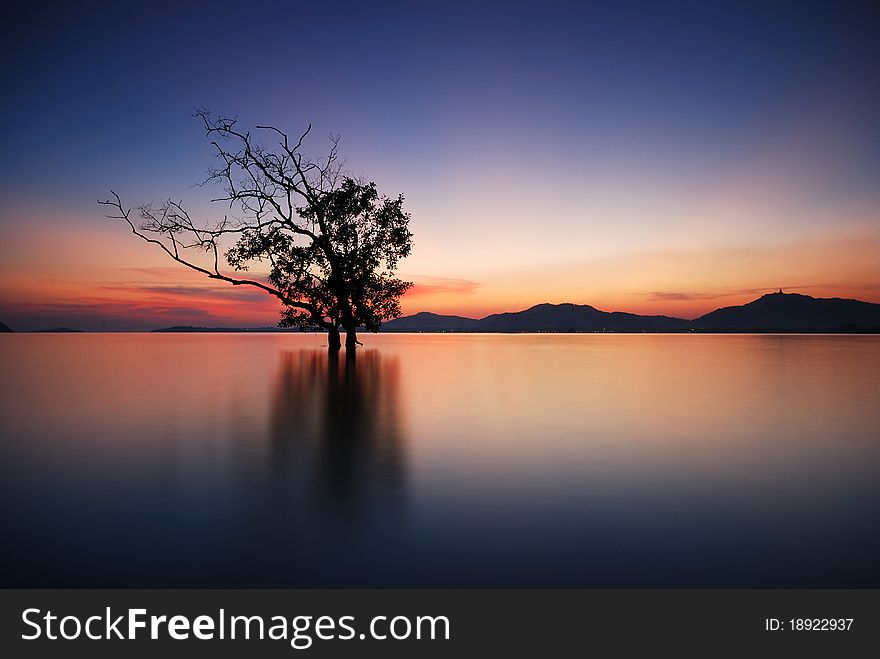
(106, 315)
(125, 306)
(103, 315)
(426, 285)
(679, 296)
(164, 272)
(187, 291)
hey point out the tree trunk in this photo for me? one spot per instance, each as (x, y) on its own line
(334, 342)
(351, 339)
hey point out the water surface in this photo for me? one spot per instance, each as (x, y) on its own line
(440, 460)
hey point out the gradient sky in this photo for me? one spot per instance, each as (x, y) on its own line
(654, 157)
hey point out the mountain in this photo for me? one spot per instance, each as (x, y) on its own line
(775, 312)
(577, 318)
(793, 312)
(540, 318)
(432, 322)
(4, 328)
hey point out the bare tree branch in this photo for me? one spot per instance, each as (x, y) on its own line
(332, 243)
(174, 253)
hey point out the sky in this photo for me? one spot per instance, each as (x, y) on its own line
(652, 157)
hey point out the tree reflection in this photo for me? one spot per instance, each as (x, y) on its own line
(336, 433)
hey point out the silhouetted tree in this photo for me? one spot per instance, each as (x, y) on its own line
(331, 242)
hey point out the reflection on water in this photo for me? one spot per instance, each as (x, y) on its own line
(336, 428)
(555, 460)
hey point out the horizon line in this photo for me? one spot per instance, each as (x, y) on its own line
(262, 327)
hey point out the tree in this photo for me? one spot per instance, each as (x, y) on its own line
(332, 243)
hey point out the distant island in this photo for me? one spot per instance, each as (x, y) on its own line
(4, 328)
(59, 330)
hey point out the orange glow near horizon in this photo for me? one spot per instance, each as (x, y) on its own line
(124, 284)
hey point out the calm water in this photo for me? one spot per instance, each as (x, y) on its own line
(440, 460)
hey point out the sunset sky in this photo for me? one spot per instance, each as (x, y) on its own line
(664, 158)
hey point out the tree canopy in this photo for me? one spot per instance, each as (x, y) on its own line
(331, 242)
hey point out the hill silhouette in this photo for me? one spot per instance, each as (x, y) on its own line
(425, 321)
(795, 312)
(774, 312)
(577, 318)
(58, 330)
(4, 328)
(541, 318)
